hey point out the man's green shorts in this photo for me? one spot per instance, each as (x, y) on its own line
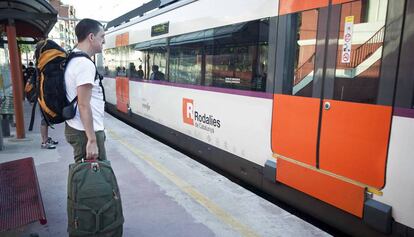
(78, 140)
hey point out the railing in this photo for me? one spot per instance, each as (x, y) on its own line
(365, 50)
(304, 69)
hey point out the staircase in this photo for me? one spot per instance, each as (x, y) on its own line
(365, 50)
(359, 55)
(304, 70)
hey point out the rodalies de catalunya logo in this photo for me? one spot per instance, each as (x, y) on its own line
(201, 120)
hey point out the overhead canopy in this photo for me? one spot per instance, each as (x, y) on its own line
(151, 44)
(33, 18)
(206, 35)
(194, 37)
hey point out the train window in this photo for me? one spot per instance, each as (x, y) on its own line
(229, 67)
(110, 61)
(239, 61)
(134, 64)
(119, 61)
(359, 53)
(404, 98)
(233, 56)
(150, 60)
(156, 64)
(302, 51)
(185, 64)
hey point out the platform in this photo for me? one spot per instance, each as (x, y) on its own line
(164, 192)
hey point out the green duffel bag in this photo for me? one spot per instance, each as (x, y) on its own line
(94, 202)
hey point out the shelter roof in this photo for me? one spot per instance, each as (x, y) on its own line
(34, 18)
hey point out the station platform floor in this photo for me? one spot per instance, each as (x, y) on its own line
(164, 192)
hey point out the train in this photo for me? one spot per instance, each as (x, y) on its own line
(311, 102)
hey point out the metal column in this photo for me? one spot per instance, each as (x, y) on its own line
(16, 77)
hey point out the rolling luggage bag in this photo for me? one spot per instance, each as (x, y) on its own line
(94, 203)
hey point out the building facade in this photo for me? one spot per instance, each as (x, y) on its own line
(64, 31)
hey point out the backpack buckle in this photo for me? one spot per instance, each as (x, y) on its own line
(76, 223)
(95, 166)
(114, 194)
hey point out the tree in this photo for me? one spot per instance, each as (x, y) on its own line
(26, 49)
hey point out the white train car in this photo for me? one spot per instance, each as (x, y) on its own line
(309, 101)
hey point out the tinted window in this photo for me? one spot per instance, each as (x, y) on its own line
(233, 56)
(360, 45)
(239, 61)
(121, 61)
(405, 83)
(299, 53)
(185, 64)
(156, 64)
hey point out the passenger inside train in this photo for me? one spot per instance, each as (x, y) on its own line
(140, 72)
(156, 74)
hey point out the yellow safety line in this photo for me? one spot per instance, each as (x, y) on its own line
(188, 189)
(342, 178)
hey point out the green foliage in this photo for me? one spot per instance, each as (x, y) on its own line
(25, 48)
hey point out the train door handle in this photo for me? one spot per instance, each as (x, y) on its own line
(327, 106)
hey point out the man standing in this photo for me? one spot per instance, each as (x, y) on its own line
(29, 72)
(85, 132)
(140, 72)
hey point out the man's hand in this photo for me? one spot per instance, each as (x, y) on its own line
(91, 150)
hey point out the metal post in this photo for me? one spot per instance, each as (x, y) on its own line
(16, 79)
(5, 125)
(1, 136)
(21, 72)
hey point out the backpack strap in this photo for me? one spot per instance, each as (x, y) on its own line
(32, 117)
(73, 55)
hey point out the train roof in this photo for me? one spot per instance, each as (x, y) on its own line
(139, 12)
(183, 17)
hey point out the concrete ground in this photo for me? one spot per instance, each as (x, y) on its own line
(164, 192)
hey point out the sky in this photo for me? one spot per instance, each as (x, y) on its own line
(103, 10)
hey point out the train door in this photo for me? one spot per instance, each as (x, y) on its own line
(357, 99)
(334, 88)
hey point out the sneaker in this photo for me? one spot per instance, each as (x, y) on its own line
(47, 146)
(51, 141)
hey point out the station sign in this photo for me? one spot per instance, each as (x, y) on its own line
(160, 29)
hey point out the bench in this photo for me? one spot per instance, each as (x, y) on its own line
(6, 113)
(20, 198)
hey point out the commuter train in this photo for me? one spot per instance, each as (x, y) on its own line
(308, 101)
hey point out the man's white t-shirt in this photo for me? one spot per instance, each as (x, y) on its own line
(81, 71)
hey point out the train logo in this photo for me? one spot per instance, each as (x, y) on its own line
(198, 119)
(188, 111)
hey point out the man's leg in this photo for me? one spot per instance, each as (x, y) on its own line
(45, 136)
(44, 132)
(77, 139)
(100, 139)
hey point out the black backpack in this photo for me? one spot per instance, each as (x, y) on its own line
(51, 61)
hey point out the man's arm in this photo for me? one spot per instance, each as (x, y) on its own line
(84, 103)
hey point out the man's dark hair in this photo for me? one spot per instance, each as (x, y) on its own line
(85, 27)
